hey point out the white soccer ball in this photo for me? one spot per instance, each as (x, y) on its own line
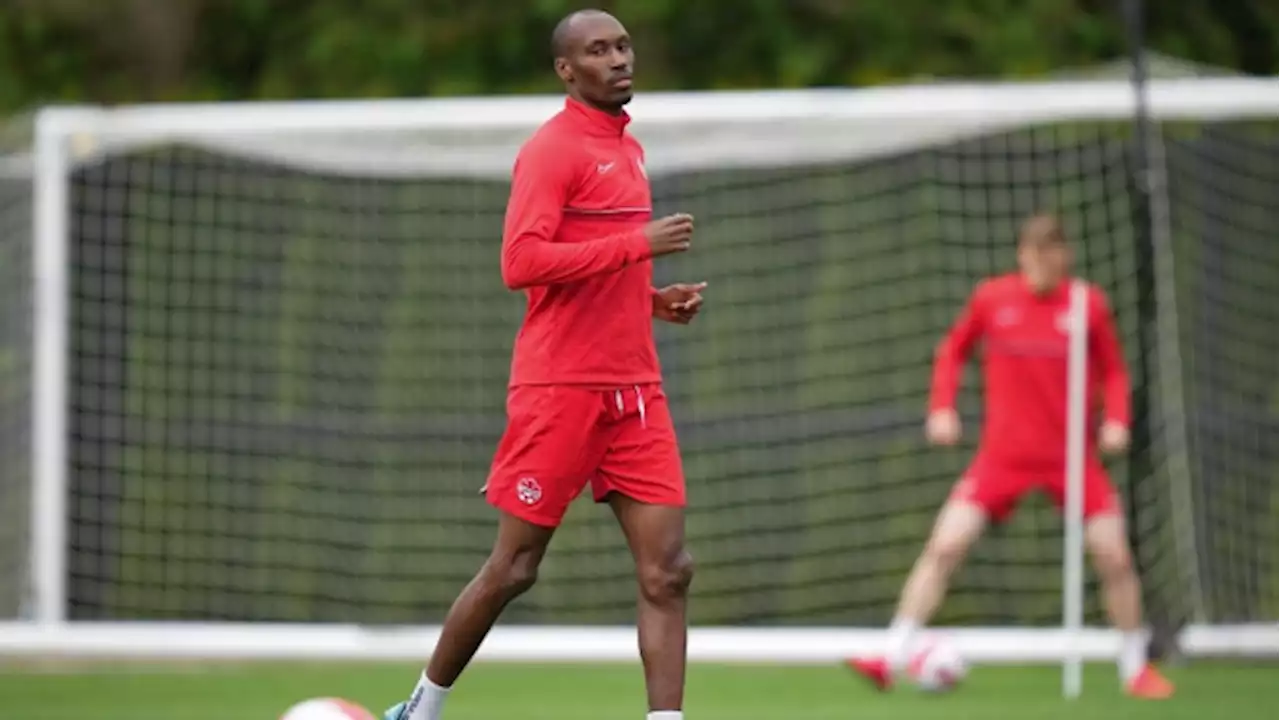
(327, 709)
(936, 666)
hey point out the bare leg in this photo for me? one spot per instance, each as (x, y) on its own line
(1121, 590)
(958, 526)
(1108, 543)
(954, 532)
(511, 569)
(664, 570)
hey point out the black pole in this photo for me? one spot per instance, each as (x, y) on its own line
(1141, 462)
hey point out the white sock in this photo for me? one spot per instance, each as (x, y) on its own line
(665, 715)
(1133, 655)
(901, 635)
(426, 701)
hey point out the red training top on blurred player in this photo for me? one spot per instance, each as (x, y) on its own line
(573, 240)
(1024, 367)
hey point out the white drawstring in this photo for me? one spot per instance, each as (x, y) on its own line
(617, 400)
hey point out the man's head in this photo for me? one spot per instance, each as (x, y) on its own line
(593, 57)
(1043, 255)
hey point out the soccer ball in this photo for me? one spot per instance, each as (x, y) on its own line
(327, 709)
(936, 666)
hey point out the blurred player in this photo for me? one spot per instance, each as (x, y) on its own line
(585, 402)
(1021, 320)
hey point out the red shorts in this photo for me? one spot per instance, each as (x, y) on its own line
(998, 486)
(560, 437)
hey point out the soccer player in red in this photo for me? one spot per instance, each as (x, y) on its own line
(1021, 321)
(585, 404)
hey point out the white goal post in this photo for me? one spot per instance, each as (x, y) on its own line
(478, 137)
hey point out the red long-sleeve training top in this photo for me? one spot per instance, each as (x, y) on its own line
(1024, 367)
(573, 241)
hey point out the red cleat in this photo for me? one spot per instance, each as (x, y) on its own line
(1150, 685)
(874, 669)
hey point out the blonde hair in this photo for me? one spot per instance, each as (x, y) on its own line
(1042, 228)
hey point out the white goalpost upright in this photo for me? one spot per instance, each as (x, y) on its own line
(686, 135)
(1073, 510)
(50, 374)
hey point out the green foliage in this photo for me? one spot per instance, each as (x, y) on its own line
(122, 51)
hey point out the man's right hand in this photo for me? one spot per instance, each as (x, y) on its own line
(943, 427)
(671, 234)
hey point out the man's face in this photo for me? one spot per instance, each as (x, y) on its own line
(598, 62)
(1044, 262)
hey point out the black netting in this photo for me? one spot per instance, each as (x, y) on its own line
(16, 312)
(1223, 190)
(287, 386)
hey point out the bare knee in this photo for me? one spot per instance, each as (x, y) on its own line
(955, 531)
(1113, 561)
(512, 567)
(511, 574)
(944, 554)
(667, 579)
(1109, 547)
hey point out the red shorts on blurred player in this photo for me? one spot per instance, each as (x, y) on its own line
(561, 437)
(997, 486)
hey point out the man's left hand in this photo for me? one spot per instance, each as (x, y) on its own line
(678, 303)
(1113, 438)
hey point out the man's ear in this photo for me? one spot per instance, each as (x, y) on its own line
(563, 70)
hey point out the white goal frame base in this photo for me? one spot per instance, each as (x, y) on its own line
(792, 646)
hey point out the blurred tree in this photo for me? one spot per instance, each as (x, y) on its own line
(132, 50)
(76, 49)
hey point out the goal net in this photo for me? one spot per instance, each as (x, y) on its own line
(286, 347)
(16, 197)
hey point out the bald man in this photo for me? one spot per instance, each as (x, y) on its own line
(585, 404)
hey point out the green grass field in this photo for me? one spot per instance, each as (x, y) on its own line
(1207, 691)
